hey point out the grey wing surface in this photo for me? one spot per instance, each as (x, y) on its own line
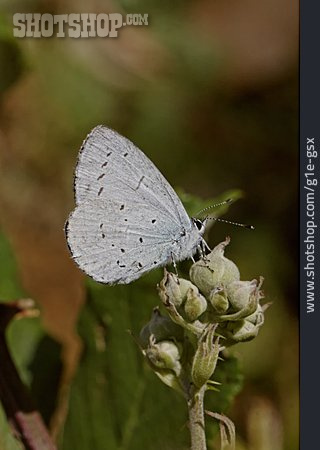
(117, 243)
(111, 167)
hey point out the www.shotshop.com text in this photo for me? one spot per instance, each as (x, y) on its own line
(310, 224)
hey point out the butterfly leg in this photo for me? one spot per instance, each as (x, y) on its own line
(200, 251)
(202, 247)
(205, 245)
(174, 264)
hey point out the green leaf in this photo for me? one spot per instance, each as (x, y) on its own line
(116, 401)
(46, 369)
(229, 374)
(194, 204)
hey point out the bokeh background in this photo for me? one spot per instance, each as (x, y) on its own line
(209, 91)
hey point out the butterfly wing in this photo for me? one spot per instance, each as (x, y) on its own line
(115, 242)
(110, 167)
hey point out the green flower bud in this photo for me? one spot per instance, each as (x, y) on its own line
(206, 357)
(161, 327)
(239, 293)
(219, 300)
(174, 289)
(185, 286)
(213, 270)
(169, 289)
(164, 359)
(164, 355)
(173, 293)
(241, 331)
(244, 299)
(257, 318)
(195, 304)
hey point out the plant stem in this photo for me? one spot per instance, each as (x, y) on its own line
(196, 419)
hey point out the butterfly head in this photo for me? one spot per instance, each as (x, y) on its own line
(199, 224)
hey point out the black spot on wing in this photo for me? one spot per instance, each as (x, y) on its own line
(122, 266)
(100, 190)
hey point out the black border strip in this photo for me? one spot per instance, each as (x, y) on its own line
(309, 129)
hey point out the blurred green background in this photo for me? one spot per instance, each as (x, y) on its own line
(209, 91)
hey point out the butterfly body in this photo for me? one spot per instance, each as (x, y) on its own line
(128, 219)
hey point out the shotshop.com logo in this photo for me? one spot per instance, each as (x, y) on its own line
(73, 25)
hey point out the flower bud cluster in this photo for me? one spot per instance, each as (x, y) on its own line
(211, 309)
(233, 304)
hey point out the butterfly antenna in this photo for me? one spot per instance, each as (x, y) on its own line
(242, 225)
(225, 202)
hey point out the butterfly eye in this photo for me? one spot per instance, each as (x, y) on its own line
(198, 223)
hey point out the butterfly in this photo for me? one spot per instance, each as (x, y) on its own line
(128, 219)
